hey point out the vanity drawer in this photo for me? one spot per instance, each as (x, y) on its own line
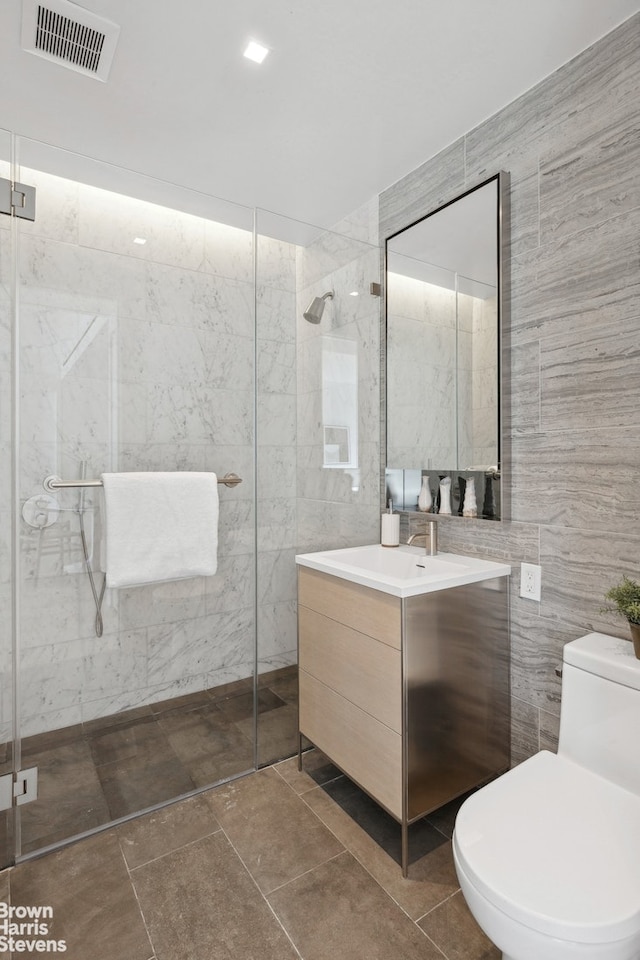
(367, 750)
(359, 668)
(369, 611)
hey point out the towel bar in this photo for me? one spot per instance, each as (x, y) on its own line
(55, 483)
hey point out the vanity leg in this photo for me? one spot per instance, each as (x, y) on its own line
(299, 751)
(405, 849)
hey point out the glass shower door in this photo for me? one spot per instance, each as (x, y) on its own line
(136, 348)
(7, 519)
(318, 432)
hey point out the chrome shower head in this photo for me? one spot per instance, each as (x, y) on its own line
(314, 311)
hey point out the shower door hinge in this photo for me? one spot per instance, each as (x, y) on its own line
(17, 199)
(19, 787)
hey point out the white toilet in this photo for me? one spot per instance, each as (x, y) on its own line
(548, 855)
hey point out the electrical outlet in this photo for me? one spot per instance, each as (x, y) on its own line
(530, 581)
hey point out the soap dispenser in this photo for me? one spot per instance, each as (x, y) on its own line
(390, 528)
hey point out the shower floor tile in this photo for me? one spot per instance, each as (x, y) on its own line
(116, 766)
(51, 740)
(115, 720)
(277, 734)
(69, 792)
(130, 786)
(240, 707)
(208, 745)
(142, 739)
(283, 683)
(186, 702)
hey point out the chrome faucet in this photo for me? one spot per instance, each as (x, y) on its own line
(430, 539)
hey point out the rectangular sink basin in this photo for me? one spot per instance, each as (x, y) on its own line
(402, 571)
(394, 562)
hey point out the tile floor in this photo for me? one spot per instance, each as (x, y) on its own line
(93, 773)
(275, 865)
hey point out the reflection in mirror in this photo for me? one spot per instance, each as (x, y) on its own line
(340, 405)
(444, 313)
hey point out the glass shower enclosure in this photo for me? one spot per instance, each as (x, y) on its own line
(133, 349)
(145, 327)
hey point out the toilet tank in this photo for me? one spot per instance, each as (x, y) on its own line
(600, 713)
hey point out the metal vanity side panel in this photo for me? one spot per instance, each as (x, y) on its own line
(456, 689)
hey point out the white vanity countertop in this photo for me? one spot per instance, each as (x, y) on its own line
(402, 571)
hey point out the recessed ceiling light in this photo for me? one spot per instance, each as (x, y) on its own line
(354, 293)
(255, 51)
(140, 240)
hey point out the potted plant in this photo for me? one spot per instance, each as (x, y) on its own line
(625, 601)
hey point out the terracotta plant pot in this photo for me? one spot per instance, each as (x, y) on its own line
(635, 637)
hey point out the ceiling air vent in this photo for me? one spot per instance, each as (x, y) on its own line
(69, 35)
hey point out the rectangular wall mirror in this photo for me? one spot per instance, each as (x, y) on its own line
(444, 311)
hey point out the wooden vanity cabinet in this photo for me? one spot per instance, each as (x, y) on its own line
(409, 697)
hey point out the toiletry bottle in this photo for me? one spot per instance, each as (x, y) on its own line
(424, 499)
(470, 508)
(462, 483)
(445, 495)
(390, 528)
(489, 506)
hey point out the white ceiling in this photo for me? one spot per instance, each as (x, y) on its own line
(353, 95)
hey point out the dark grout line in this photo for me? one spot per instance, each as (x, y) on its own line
(263, 895)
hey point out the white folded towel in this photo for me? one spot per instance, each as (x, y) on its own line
(160, 526)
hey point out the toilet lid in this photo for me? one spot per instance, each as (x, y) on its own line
(556, 848)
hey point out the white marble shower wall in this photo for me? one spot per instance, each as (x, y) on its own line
(132, 357)
(339, 505)
(421, 350)
(477, 391)
(302, 505)
(442, 350)
(276, 451)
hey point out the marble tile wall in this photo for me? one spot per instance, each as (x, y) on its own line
(572, 357)
(479, 396)
(432, 333)
(339, 507)
(142, 357)
(276, 459)
(302, 506)
(133, 357)
(421, 355)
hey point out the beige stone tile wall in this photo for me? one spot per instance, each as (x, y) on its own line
(572, 441)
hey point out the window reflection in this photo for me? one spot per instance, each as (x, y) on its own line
(340, 406)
